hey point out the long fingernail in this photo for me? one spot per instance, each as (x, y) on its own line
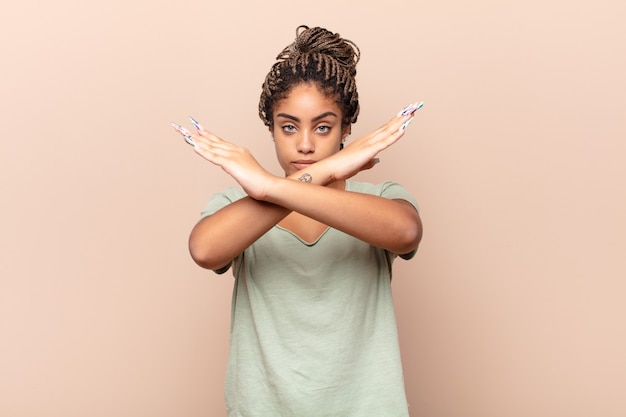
(406, 111)
(195, 123)
(181, 129)
(406, 124)
(190, 141)
(410, 109)
(186, 134)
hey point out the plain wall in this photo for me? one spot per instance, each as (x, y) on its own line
(513, 305)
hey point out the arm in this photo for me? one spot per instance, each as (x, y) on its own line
(391, 224)
(217, 239)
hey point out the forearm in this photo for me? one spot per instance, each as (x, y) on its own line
(217, 239)
(390, 224)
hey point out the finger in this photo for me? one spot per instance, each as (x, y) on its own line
(391, 128)
(225, 151)
(407, 112)
(406, 124)
(370, 164)
(185, 133)
(196, 124)
(214, 139)
(210, 136)
(208, 155)
(391, 134)
(411, 109)
(394, 123)
(210, 141)
(400, 124)
(215, 156)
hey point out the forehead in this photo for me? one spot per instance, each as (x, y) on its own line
(306, 98)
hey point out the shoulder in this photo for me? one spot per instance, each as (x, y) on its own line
(221, 199)
(231, 193)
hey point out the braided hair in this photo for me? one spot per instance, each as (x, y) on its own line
(320, 57)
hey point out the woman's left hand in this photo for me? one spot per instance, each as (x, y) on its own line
(361, 154)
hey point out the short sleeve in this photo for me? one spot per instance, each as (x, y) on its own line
(217, 202)
(390, 190)
(395, 191)
(222, 199)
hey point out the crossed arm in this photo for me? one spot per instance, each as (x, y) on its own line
(390, 224)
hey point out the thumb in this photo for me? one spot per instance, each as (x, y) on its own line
(370, 164)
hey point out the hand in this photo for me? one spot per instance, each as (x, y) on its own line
(235, 160)
(360, 154)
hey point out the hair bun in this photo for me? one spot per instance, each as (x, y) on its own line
(321, 41)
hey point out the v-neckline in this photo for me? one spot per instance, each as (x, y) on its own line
(302, 240)
(303, 227)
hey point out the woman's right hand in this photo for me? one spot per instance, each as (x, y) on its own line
(236, 161)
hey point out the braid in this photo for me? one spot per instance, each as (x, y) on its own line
(316, 56)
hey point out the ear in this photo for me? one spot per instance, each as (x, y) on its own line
(346, 132)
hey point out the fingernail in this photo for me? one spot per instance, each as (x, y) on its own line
(405, 111)
(406, 124)
(181, 129)
(186, 134)
(195, 123)
(410, 109)
(190, 141)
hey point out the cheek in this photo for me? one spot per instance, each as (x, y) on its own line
(280, 149)
(333, 144)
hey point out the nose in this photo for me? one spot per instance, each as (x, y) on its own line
(305, 143)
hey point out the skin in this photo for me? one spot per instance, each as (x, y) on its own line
(307, 134)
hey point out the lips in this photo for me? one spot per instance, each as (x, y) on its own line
(303, 163)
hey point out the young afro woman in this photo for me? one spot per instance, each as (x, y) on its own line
(313, 331)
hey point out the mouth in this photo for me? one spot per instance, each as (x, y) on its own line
(303, 163)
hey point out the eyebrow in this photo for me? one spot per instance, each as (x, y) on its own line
(315, 119)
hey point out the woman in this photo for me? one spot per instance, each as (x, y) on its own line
(313, 331)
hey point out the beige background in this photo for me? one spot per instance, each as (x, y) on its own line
(514, 304)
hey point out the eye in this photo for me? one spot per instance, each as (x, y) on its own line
(323, 129)
(288, 128)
